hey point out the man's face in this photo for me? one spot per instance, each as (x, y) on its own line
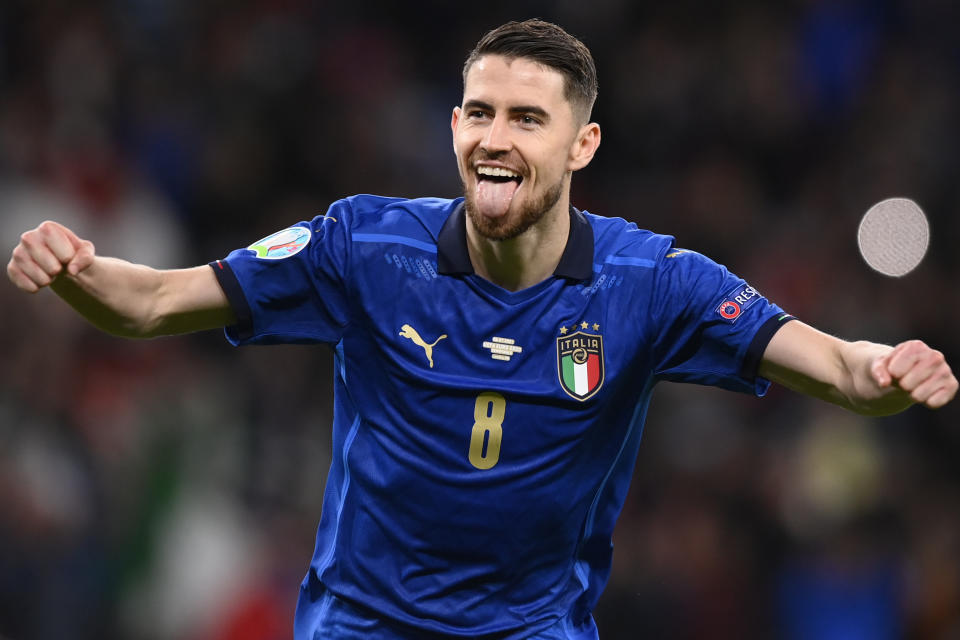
(514, 137)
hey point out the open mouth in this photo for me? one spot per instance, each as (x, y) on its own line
(496, 187)
(498, 175)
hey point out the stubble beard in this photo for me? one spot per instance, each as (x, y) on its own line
(510, 226)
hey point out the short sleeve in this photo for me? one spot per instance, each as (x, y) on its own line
(712, 326)
(291, 286)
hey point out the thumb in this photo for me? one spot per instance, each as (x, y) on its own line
(83, 258)
(880, 371)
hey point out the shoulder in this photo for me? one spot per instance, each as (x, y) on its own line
(421, 217)
(618, 241)
(621, 243)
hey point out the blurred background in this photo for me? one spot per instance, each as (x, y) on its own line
(170, 489)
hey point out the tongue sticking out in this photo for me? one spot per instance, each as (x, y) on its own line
(493, 197)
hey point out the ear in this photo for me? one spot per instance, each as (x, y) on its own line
(454, 119)
(584, 146)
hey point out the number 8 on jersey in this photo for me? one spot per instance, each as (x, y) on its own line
(487, 433)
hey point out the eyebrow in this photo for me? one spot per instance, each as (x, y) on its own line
(516, 110)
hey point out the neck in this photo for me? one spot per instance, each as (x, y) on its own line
(527, 259)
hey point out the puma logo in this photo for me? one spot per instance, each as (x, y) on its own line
(409, 332)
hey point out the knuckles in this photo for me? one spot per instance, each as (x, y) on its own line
(40, 234)
(47, 227)
(29, 238)
(914, 347)
(21, 255)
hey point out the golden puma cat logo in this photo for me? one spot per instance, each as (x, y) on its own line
(409, 332)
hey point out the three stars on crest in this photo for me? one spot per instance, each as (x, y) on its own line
(582, 325)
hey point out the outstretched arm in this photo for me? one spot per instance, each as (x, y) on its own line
(116, 296)
(869, 378)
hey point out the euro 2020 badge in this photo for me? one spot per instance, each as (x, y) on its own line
(282, 244)
(580, 363)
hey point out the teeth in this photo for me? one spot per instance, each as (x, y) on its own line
(497, 172)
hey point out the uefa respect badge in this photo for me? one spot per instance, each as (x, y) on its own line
(737, 302)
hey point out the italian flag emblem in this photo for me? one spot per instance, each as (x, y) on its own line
(580, 364)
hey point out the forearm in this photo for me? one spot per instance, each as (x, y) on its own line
(865, 377)
(136, 301)
(832, 370)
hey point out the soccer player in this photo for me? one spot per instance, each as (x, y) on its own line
(495, 355)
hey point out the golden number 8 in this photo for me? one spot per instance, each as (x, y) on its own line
(488, 414)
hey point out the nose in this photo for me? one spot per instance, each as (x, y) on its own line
(497, 136)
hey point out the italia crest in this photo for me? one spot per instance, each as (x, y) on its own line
(580, 362)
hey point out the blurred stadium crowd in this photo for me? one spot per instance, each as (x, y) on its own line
(170, 489)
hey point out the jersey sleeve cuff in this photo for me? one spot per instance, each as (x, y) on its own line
(751, 361)
(243, 329)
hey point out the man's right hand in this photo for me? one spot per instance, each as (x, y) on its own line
(44, 253)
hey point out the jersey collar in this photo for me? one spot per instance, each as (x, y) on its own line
(576, 263)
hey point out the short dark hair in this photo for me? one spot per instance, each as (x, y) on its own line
(551, 46)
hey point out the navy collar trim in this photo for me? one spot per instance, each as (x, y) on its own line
(576, 263)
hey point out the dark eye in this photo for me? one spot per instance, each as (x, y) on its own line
(529, 120)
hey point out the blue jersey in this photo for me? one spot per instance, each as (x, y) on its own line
(484, 439)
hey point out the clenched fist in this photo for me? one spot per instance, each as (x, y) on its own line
(43, 254)
(918, 370)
